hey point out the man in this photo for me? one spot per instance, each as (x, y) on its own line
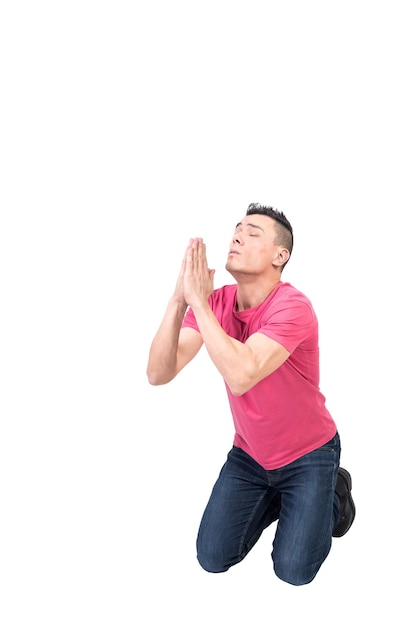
(262, 336)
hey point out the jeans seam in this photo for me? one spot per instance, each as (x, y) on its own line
(250, 519)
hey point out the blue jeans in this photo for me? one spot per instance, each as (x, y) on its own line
(247, 498)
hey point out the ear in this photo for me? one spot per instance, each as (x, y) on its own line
(281, 257)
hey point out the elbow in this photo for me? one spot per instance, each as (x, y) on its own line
(239, 391)
(155, 378)
(239, 386)
(153, 381)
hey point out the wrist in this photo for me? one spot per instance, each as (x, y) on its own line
(179, 304)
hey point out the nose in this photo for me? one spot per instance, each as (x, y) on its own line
(237, 237)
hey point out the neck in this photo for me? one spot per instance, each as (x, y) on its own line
(252, 294)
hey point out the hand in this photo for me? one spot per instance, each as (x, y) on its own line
(197, 277)
(178, 291)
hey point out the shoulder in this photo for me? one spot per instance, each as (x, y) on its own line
(288, 298)
(286, 292)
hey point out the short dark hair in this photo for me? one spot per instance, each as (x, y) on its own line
(285, 230)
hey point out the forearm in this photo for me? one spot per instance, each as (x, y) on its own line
(232, 358)
(163, 356)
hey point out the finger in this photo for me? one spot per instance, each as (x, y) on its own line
(197, 251)
(187, 253)
(202, 251)
(190, 257)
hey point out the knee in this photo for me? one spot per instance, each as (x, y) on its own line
(211, 563)
(296, 576)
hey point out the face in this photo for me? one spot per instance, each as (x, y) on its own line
(252, 249)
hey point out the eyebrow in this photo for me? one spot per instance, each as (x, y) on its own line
(249, 224)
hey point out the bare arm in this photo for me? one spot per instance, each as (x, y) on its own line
(172, 347)
(242, 365)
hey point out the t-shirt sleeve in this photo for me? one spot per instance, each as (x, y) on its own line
(189, 320)
(291, 324)
(219, 301)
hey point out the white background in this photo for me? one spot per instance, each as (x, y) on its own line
(126, 128)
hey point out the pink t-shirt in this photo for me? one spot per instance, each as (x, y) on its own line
(284, 416)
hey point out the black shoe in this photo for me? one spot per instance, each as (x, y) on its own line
(347, 508)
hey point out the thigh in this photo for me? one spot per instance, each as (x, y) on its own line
(304, 533)
(239, 508)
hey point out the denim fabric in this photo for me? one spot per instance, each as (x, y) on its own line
(247, 498)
